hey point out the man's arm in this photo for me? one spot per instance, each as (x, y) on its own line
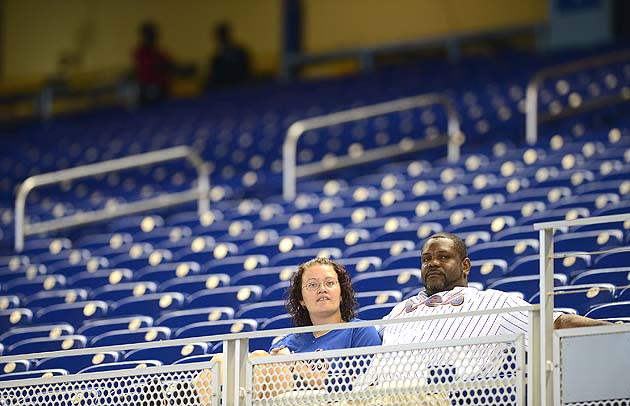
(573, 320)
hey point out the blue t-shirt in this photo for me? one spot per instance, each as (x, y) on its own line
(333, 340)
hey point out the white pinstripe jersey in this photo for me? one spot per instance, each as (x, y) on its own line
(459, 299)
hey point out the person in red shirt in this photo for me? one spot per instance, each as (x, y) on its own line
(153, 67)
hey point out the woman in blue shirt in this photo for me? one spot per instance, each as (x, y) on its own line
(321, 293)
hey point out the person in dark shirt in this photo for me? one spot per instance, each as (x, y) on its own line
(231, 63)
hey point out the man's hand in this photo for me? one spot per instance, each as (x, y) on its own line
(573, 320)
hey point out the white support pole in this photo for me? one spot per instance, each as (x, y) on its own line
(547, 361)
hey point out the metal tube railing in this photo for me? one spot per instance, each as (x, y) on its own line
(548, 359)
(531, 98)
(289, 150)
(133, 161)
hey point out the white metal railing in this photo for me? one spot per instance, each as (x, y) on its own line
(236, 372)
(291, 172)
(531, 98)
(549, 360)
(200, 193)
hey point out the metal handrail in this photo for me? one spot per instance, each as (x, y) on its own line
(531, 99)
(199, 193)
(289, 150)
(548, 361)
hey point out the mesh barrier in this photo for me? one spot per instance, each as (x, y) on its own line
(156, 386)
(470, 372)
(615, 402)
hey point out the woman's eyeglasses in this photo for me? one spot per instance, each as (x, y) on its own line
(328, 284)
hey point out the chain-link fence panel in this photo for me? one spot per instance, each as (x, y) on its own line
(191, 384)
(485, 371)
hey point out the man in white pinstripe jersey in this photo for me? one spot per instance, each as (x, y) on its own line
(445, 269)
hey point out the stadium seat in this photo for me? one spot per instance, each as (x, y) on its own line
(162, 272)
(508, 250)
(152, 305)
(120, 365)
(618, 276)
(570, 265)
(53, 297)
(527, 285)
(73, 313)
(297, 257)
(9, 302)
(596, 240)
(232, 296)
(16, 334)
(15, 317)
(607, 310)
(261, 311)
(29, 286)
(102, 277)
(194, 283)
(378, 297)
(236, 264)
(375, 311)
(381, 250)
(208, 328)
(45, 373)
(42, 344)
(167, 355)
(611, 259)
(74, 363)
(140, 335)
(392, 279)
(581, 297)
(181, 318)
(265, 276)
(96, 327)
(14, 366)
(113, 293)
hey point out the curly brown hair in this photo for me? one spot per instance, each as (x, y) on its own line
(299, 313)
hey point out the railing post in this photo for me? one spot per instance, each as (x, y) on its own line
(547, 361)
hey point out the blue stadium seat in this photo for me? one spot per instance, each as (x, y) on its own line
(486, 271)
(167, 355)
(233, 296)
(261, 311)
(41, 344)
(150, 256)
(194, 359)
(596, 240)
(235, 264)
(270, 248)
(75, 363)
(527, 285)
(569, 265)
(140, 335)
(14, 366)
(392, 279)
(94, 242)
(582, 297)
(162, 272)
(164, 237)
(359, 265)
(618, 276)
(15, 317)
(113, 293)
(195, 283)
(611, 259)
(9, 302)
(16, 334)
(120, 365)
(341, 239)
(203, 249)
(264, 276)
(46, 373)
(208, 328)
(508, 250)
(556, 215)
(73, 313)
(152, 305)
(375, 311)
(277, 291)
(53, 297)
(277, 322)
(607, 310)
(102, 277)
(92, 328)
(487, 224)
(136, 224)
(23, 271)
(378, 297)
(29, 286)
(297, 257)
(381, 250)
(181, 318)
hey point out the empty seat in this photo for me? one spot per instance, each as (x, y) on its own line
(181, 318)
(9, 302)
(15, 317)
(261, 311)
(264, 276)
(617, 276)
(29, 286)
(392, 279)
(102, 277)
(277, 322)
(595, 240)
(41, 344)
(140, 335)
(38, 331)
(46, 373)
(235, 264)
(570, 265)
(121, 365)
(375, 311)
(152, 305)
(95, 327)
(73, 313)
(14, 366)
(53, 297)
(486, 271)
(607, 310)
(162, 272)
(378, 297)
(277, 291)
(527, 285)
(24, 271)
(233, 296)
(208, 328)
(112, 293)
(297, 257)
(508, 250)
(612, 259)
(580, 297)
(359, 265)
(195, 283)
(167, 355)
(382, 250)
(75, 363)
